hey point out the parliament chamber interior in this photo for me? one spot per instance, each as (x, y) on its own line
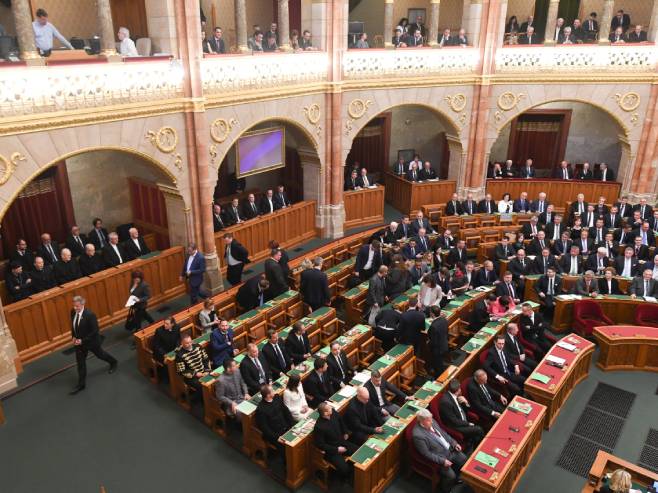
(329, 245)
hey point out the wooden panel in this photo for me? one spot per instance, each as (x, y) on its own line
(558, 191)
(606, 464)
(409, 197)
(290, 226)
(149, 212)
(363, 207)
(42, 323)
(130, 14)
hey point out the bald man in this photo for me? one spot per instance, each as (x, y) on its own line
(363, 417)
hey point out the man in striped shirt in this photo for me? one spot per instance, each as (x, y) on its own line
(192, 362)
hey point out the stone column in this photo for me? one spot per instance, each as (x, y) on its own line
(474, 22)
(24, 32)
(388, 23)
(652, 35)
(435, 7)
(606, 19)
(500, 31)
(161, 23)
(9, 361)
(318, 25)
(643, 181)
(241, 25)
(104, 13)
(284, 25)
(551, 21)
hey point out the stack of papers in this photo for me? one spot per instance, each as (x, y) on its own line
(555, 361)
(362, 377)
(650, 299)
(347, 391)
(566, 345)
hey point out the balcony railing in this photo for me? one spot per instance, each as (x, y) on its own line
(577, 58)
(409, 63)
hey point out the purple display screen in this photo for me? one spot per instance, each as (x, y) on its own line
(260, 152)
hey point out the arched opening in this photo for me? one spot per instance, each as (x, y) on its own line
(118, 185)
(270, 153)
(562, 130)
(402, 132)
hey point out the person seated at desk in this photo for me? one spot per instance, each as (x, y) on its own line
(528, 171)
(272, 416)
(548, 216)
(446, 241)
(540, 205)
(454, 206)
(438, 447)
(485, 400)
(562, 246)
(652, 266)
(516, 349)
(363, 180)
(537, 244)
(427, 173)
(572, 263)
(508, 287)
(42, 276)
(644, 285)
(340, 370)
(502, 306)
(267, 204)
(76, 242)
(192, 362)
(469, 206)
(508, 170)
(496, 172)
(135, 246)
(331, 437)
(586, 285)
(617, 36)
(22, 255)
(416, 270)
(520, 267)
(221, 342)
(295, 399)
(620, 482)
(113, 252)
(531, 228)
(66, 269)
(487, 275)
(635, 221)
(640, 251)
(499, 364)
(90, 262)
(218, 221)
(646, 234)
(505, 205)
(400, 168)
(504, 251)
(423, 243)
(585, 173)
(604, 173)
(522, 204)
(458, 254)
(637, 35)
(610, 246)
(563, 172)
(233, 214)
(544, 261)
(379, 388)
(598, 262)
(18, 283)
(250, 209)
(362, 417)
(533, 326)
(230, 388)
(351, 182)
(453, 409)
(413, 174)
(627, 265)
(421, 222)
(608, 284)
(276, 355)
(391, 234)
(547, 288)
(318, 385)
(208, 319)
(487, 205)
(598, 232)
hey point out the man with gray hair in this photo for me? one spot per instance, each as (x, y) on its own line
(435, 445)
(113, 252)
(314, 286)
(127, 47)
(86, 337)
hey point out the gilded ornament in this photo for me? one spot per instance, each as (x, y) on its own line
(313, 113)
(629, 101)
(457, 102)
(212, 150)
(509, 100)
(165, 139)
(221, 128)
(358, 107)
(9, 166)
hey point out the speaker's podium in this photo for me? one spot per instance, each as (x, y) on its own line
(408, 197)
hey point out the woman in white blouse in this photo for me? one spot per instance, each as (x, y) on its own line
(430, 292)
(295, 400)
(505, 205)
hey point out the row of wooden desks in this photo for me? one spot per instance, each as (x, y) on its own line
(618, 307)
(627, 347)
(568, 283)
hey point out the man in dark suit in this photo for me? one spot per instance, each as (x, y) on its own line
(412, 323)
(516, 349)
(340, 370)
(544, 261)
(530, 22)
(86, 337)
(537, 244)
(48, 250)
(368, 260)
(351, 182)
(454, 207)
(363, 180)
(620, 20)
(548, 216)
(627, 265)
(42, 276)
(387, 323)
(530, 229)
(585, 173)
(438, 341)
(640, 251)
(22, 255)
(509, 287)
(232, 213)
(421, 222)
(254, 370)
(297, 344)
(98, 236)
(457, 254)
(562, 246)
(591, 28)
(487, 205)
(17, 282)
(548, 287)
(362, 417)
(378, 388)
(413, 174)
(135, 246)
(236, 257)
(274, 274)
(499, 365)
(469, 206)
(453, 409)
(217, 42)
(317, 385)
(503, 250)
(267, 203)
(533, 326)
(76, 242)
(486, 401)
(604, 173)
(486, 276)
(646, 211)
(66, 269)
(218, 222)
(314, 286)
(613, 219)
(563, 172)
(254, 293)
(530, 37)
(586, 285)
(273, 417)
(598, 262)
(427, 173)
(637, 35)
(331, 436)
(520, 267)
(250, 209)
(527, 171)
(624, 207)
(192, 271)
(617, 36)
(555, 229)
(113, 252)
(644, 285)
(540, 205)
(281, 199)
(276, 355)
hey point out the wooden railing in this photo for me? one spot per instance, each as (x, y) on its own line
(42, 323)
(557, 191)
(290, 226)
(364, 207)
(408, 197)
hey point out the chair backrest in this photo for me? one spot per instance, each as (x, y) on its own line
(464, 387)
(143, 46)
(587, 308)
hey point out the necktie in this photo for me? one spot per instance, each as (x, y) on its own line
(253, 207)
(544, 265)
(461, 411)
(609, 287)
(501, 355)
(511, 290)
(564, 174)
(550, 287)
(541, 244)
(52, 253)
(413, 175)
(77, 322)
(282, 361)
(342, 372)
(260, 299)
(365, 181)
(646, 288)
(488, 207)
(261, 373)
(486, 392)
(79, 241)
(101, 240)
(444, 443)
(237, 216)
(574, 266)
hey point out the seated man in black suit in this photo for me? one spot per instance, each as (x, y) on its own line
(276, 355)
(17, 282)
(90, 262)
(218, 222)
(644, 285)
(527, 171)
(317, 385)
(585, 173)
(485, 400)
(331, 437)
(272, 416)
(531, 228)
(66, 269)
(254, 370)
(267, 205)
(457, 254)
(22, 255)
(42, 276)
(297, 343)
(548, 287)
(563, 172)
(378, 389)
(640, 251)
(572, 263)
(250, 209)
(427, 173)
(598, 262)
(544, 261)
(637, 35)
(350, 182)
(586, 285)
(281, 200)
(487, 205)
(340, 370)
(646, 211)
(253, 293)
(500, 365)
(363, 180)
(76, 242)
(530, 38)
(486, 276)
(537, 244)
(516, 349)
(362, 417)
(421, 222)
(454, 206)
(504, 250)
(533, 326)
(469, 206)
(98, 235)
(113, 252)
(604, 173)
(627, 265)
(520, 267)
(453, 408)
(555, 228)
(48, 250)
(509, 287)
(562, 246)
(232, 213)
(413, 174)
(135, 246)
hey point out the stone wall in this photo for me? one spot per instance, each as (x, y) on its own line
(418, 128)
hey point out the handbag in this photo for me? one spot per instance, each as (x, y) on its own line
(130, 320)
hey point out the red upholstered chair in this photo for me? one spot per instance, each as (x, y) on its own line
(492, 382)
(472, 416)
(420, 464)
(434, 409)
(529, 348)
(647, 315)
(587, 314)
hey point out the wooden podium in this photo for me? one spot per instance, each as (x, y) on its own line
(364, 207)
(408, 197)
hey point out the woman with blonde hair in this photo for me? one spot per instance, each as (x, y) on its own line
(620, 482)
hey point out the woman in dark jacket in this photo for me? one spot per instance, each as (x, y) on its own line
(398, 279)
(141, 290)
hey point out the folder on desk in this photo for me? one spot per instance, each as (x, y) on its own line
(540, 377)
(486, 459)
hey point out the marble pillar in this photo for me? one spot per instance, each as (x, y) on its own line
(606, 19)
(161, 23)
(551, 21)
(652, 35)
(241, 25)
(643, 181)
(388, 23)
(24, 31)
(474, 22)
(104, 13)
(318, 24)
(9, 361)
(456, 161)
(500, 30)
(435, 7)
(284, 25)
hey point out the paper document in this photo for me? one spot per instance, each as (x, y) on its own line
(555, 360)
(347, 391)
(131, 301)
(362, 377)
(566, 345)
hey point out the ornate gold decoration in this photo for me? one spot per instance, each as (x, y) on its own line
(457, 102)
(629, 101)
(313, 113)
(178, 162)
(508, 100)
(9, 166)
(212, 150)
(165, 139)
(358, 107)
(221, 128)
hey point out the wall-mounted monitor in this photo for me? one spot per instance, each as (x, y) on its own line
(260, 151)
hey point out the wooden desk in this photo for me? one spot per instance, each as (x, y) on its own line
(290, 226)
(606, 463)
(563, 381)
(41, 323)
(627, 347)
(408, 197)
(521, 446)
(568, 283)
(557, 191)
(363, 207)
(620, 308)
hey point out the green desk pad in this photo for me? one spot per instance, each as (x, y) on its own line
(397, 350)
(486, 459)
